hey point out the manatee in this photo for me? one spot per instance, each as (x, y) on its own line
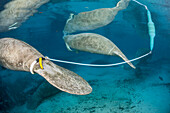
(18, 55)
(94, 43)
(93, 19)
(17, 11)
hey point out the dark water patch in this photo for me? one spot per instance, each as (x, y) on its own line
(2, 68)
(161, 78)
(6, 101)
(2, 3)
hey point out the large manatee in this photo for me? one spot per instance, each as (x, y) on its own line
(18, 55)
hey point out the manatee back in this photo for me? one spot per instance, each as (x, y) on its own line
(90, 42)
(16, 54)
(94, 43)
(94, 19)
(90, 20)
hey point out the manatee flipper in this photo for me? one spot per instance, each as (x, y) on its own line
(68, 47)
(94, 43)
(18, 55)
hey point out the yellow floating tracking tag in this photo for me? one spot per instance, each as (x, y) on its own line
(40, 62)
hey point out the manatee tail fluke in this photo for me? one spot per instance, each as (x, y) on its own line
(122, 4)
(63, 79)
(120, 54)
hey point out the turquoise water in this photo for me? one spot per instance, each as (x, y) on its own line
(117, 89)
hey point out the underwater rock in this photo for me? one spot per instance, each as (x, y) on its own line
(17, 11)
(93, 19)
(18, 55)
(44, 91)
(94, 43)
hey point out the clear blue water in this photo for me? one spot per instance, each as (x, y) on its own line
(118, 89)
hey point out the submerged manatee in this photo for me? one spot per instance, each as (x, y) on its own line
(94, 19)
(94, 43)
(17, 11)
(18, 55)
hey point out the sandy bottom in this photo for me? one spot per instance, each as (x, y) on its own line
(115, 90)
